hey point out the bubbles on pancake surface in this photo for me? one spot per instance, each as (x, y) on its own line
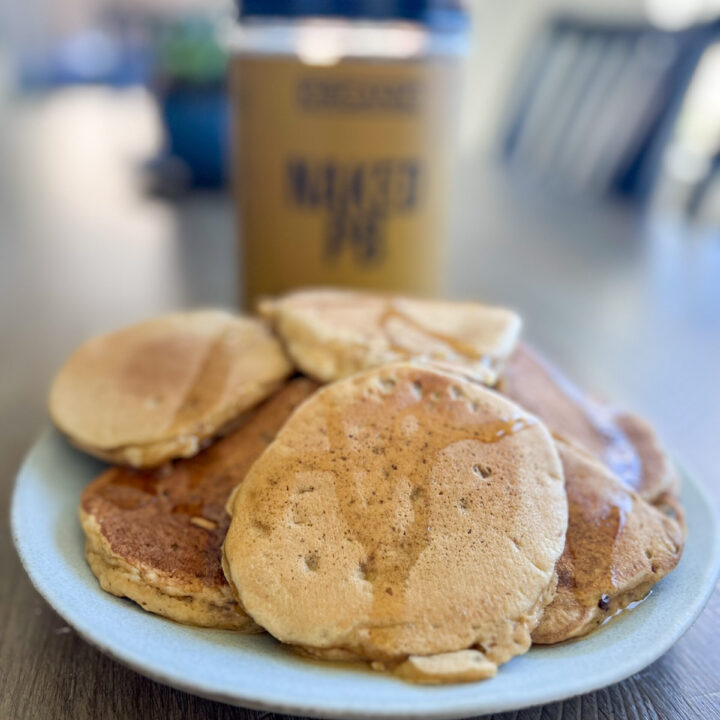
(482, 471)
(407, 532)
(312, 561)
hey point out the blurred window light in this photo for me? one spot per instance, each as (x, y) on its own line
(321, 44)
(678, 14)
(690, 161)
(327, 42)
(686, 166)
(699, 122)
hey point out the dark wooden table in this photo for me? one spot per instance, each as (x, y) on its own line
(630, 307)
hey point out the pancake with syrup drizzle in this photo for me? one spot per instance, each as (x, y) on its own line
(406, 517)
(162, 389)
(623, 441)
(155, 536)
(331, 334)
(618, 546)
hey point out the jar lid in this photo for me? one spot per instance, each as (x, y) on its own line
(435, 13)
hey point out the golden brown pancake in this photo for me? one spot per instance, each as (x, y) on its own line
(155, 536)
(400, 515)
(161, 389)
(618, 546)
(331, 334)
(623, 441)
(658, 482)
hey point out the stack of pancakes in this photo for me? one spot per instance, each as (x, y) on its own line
(366, 477)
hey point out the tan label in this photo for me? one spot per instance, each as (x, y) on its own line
(342, 172)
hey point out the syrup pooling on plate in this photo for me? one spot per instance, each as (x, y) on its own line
(619, 611)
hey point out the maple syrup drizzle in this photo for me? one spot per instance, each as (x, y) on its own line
(194, 491)
(457, 346)
(207, 386)
(595, 526)
(396, 530)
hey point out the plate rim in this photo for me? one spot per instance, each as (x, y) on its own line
(334, 708)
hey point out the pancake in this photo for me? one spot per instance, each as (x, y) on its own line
(623, 441)
(331, 334)
(155, 536)
(658, 482)
(401, 516)
(161, 389)
(618, 546)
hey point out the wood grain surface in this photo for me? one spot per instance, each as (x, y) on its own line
(630, 308)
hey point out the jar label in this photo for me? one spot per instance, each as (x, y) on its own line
(342, 172)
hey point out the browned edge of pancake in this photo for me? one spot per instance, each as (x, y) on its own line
(617, 547)
(623, 441)
(155, 536)
(160, 592)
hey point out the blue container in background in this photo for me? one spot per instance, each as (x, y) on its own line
(190, 84)
(196, 125)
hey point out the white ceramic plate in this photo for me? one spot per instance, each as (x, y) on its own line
(255, 671)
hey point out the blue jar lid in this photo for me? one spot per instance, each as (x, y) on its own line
(446, 13)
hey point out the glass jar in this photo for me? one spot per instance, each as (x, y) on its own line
(344, 126)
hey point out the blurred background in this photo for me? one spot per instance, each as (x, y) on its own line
(591, 98)
(586, 192)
